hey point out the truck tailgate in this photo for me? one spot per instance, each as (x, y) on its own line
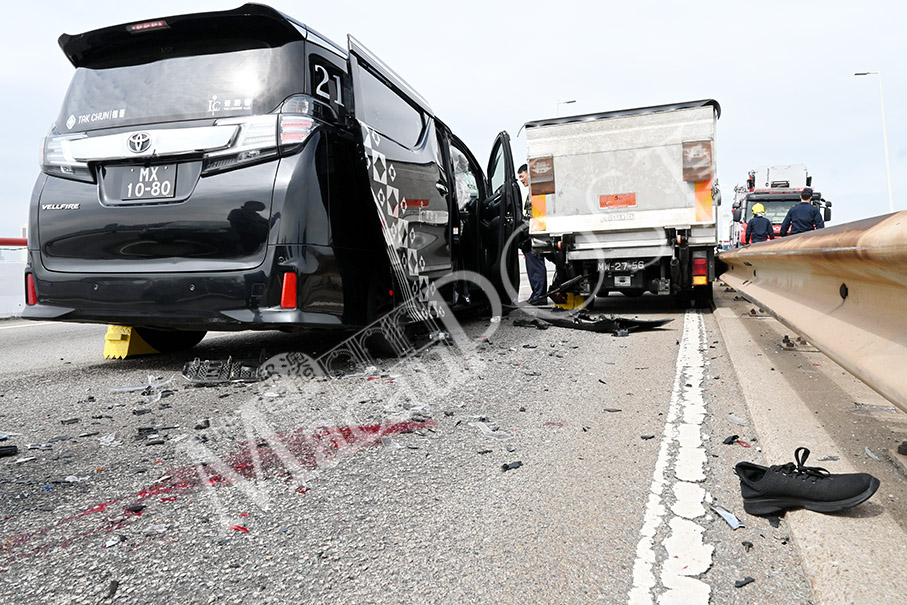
(631, 172)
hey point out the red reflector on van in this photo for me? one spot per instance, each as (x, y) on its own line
(700, 266)
(288, 291)
(31, 295)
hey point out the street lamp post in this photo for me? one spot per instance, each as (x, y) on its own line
(557, 110)
(884, 134)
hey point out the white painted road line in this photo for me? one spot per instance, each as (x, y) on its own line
(679, 469)
(29, 325)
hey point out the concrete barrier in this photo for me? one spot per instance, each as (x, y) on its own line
(12, 289)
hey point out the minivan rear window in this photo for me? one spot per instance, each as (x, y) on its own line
(242, 82)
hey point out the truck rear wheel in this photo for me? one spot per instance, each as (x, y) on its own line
(171, 341)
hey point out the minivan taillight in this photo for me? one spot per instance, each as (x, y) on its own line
(296, 123)
(57, 160)
(261, 137)
(256, 141)
(294, 130)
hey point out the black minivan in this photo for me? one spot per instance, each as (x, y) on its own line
(236, 170)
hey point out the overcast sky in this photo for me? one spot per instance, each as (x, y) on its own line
(781, 70)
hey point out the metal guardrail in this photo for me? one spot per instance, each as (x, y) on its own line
(843, 288)
(13, 241)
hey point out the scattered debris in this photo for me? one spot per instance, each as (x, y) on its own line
(737, 419)
(219, 371)
(646, 437)
(142, 411)
(156, 529)
(109, 440)
(864, 407)
(829, 459)
(156, 442)
(490, 431)
(613, 410)
(389, 443)
(8, 450)
(70, 421)
(743, 443)
(902, 448)
(441, 336)
(483, 452)
(583, 320)
(135, 508)
(38, 446)
(747, 545)
(62, 438)
(728, 516)
(743, 582)
(731, 440)
(871, 454)
(530, 323)
(204, 424)
(239, 528)
(111, 542)
(23, 460)
(145, 388)
(511, 465)
(112, 589)
(774, 521)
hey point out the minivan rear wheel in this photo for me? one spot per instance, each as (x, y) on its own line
(171, 341)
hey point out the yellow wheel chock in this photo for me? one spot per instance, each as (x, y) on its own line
(122, 342)
(573, 301)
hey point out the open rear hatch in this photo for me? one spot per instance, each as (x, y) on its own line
(164, 154)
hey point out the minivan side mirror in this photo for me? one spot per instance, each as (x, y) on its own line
(738, 214)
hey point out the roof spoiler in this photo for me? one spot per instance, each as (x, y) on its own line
(112, 45)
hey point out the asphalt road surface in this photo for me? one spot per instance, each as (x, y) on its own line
(518, 465)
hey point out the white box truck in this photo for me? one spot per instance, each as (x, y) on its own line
(626, 200)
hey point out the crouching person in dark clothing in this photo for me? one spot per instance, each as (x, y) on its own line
(759, 228)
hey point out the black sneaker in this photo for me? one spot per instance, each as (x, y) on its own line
(770, 490)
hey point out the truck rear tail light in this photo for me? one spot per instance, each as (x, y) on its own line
(700, 271)
(31, 294)
(288, 291)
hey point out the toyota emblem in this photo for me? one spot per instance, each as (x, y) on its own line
(139, 142)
